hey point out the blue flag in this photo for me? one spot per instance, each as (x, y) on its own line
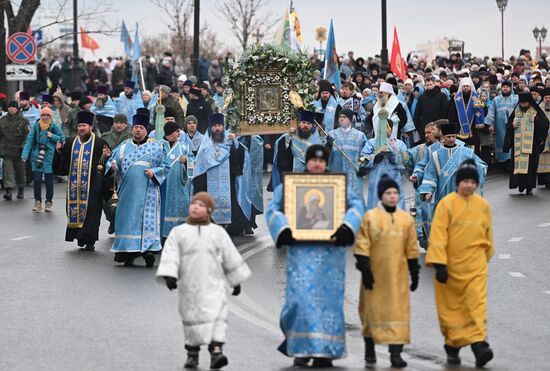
(125, 39)
(136, 55)
(332, 72)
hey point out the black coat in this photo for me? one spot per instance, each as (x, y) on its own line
(202, 110)
(431, 106)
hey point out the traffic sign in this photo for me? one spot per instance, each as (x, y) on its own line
(21, 72)
(21, 48)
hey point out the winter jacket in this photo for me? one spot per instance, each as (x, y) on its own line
(38, 138)
(432, 105)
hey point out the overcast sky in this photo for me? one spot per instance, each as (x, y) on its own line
(358, 26)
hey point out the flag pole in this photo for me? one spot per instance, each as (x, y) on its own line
(141, 73)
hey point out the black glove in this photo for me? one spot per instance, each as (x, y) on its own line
(414, 270)
(236, 290)
(362, 171)
(285, 238)
(330, 141)
(171, 283)
(441, 274)
(378, 158)
(343, 236)
(363, 265)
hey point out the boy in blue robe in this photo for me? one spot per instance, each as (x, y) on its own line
(139, 162)
(176, 189)
(312, 318)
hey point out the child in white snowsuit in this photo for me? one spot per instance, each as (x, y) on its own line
(200, 260)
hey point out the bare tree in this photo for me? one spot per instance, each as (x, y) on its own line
(246, 17)
(178, 13)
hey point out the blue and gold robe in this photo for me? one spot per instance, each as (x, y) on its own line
(138, 214)
(176, 189)
(312, 318)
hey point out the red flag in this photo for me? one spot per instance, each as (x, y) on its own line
(397, 63)
(87, 41)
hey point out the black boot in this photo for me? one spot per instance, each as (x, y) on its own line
(452, 355)
(149, 259)
(7, 195)
(217, 359)
(322, 363)
(301, 362)
(370, 353)
(529, 192)
(395, 356)
(89, 247)
(111, 229)
(20, 193)
(192, 356)
(482, 352)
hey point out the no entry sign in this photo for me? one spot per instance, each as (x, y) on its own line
(21, 48)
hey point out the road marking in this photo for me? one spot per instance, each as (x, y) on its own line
(517, 274)
(547, 292)
(21, 238)
(253, 252)
(515, 239)
(504, 256)
(544, 225)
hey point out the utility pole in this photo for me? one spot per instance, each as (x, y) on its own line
(196, 45)
(76, 68)
(384, 52)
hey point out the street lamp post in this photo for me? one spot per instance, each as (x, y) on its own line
(76, 75)
(502, 6)
(540, 36)
(196, 31)
(384, 51)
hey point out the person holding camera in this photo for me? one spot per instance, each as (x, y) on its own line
(44, 139)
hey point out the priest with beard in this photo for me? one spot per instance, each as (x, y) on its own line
(104, 108)
(82, 160)
(327, 104)
(544, 161)
(128, 102)
(388, 101)
(526, 134)
(290, 148)
(222, 168)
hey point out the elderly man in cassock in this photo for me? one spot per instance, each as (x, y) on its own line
(384, 154)
(467, 111)
(350, 141)
(129, 100)
(255, 146)
(222, 168)
(290, 148)
(139, 162)
(176, 189)
(82, 159)
(544, 160)
(440, 173)
(312, 318)
(328, 105)
(526, 135)
(461, 245)
(104, 108)
(497, 117)
(387, 101)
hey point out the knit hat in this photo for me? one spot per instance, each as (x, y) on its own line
(120, 117)
(14, 104)
(166, 89)
(188, 83)
(190, 118)
(467, 170)
(85, 117)
(386, 183)
(47, 98)
(85, 100)
(195, 91)
(317, 151)
(23, 95)
(207, 199)
(348, 113)
(170, 127)
(46, 111)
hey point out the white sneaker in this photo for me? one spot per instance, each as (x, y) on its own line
(37, 207)
(49, 207)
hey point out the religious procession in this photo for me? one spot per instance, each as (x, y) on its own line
(366, 188)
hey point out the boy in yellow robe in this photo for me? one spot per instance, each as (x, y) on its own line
(386, 246)
(460, 246)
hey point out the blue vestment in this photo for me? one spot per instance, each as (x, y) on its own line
(176, 189)
(393, 164)
(351, 143)
(138, 214)
(329, 111)
(497, 117)
(255, 145)
(109, 109)
(312, 318)
(129, 106)
(32, 114)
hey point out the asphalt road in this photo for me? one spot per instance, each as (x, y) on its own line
(65, 309)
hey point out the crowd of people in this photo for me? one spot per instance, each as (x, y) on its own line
(161, 164)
